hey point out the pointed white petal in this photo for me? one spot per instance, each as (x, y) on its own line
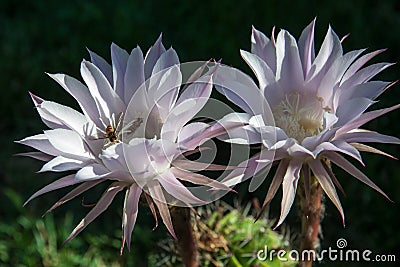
(306, 47)
(326, 184)
(60, 164)
(81, 93)
(289, 188)
(189, 131)
(358, 64)
(48, 119)
(365, 148)
(198, 179)
(36, 155)
(193, 100)
(177, 190)
(134, 75)
(368, 137)
(72, 194)
(166, 60)
(348, 167)
(97, 171)
(264, 48)
(365, 74)
(339, 146)
(41, 143)
(119, 59)
(165, 93)
(158, 197)
(240, 89)
(107, 101)
(289, 70)
(60, 183)
(364, 118)
(131, 209)
(68, 116)
(102, 64)
(331, 49)
(275, 184)
(263, 73)
(351, 110)
(70, 143)
(100, 207)
(152, 56)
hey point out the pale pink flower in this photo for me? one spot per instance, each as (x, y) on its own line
(318, 103)
(146, 158)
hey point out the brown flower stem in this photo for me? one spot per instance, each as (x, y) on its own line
(187, 244)
(311, 211)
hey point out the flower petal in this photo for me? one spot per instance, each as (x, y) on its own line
(200, 166)
(107, 101)
(70, 144)
(262, 71)
(98, 171)
(188, 105)
(334, 74)
(339, 146)
(249, 168)
(330, 50)
(167, 59)
(289, 70)
(240, 89)
(362, 147)
(358, 64)
(152, 56)
(60, 164)
(189, 131)
(247, 134)
(48, 119)
(66, 115)
(72, 194)
(364, 118)
(102, 64)
(275, 184)
(348, 167)
(81, 94)
(177, 190)
(326, 184)
(119, 59)
(134, 75)
(60, 183)
(306, 47)
(264, 48)
(158, 197)
(365, 74)
(369, 90)
(36, 155)
(198, 179)
(351, 110)
(100, 207)
(289, 187)
(41, 143)
(368, 137)
(130, 213)
(165, 92)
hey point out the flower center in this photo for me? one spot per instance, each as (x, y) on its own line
(300, 116)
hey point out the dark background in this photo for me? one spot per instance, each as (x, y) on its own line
(52, 36)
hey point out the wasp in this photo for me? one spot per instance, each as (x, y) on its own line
(112, 132)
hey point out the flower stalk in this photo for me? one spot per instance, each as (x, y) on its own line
(311, 213)
(187, 244)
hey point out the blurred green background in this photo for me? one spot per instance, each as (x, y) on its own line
(52, 36)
